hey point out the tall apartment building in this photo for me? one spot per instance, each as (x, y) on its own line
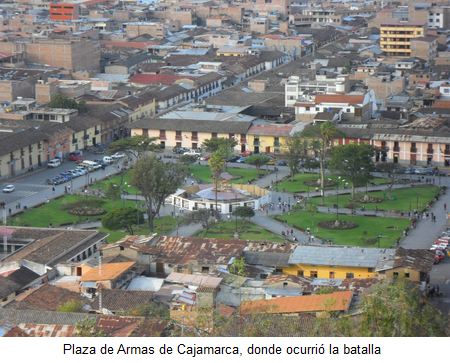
(71, 54)
(395, 37)
(64, 11)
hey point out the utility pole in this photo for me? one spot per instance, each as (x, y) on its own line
(5, 232)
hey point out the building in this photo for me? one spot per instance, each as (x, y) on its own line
(395, 37)
(356, 107)
(114, 275)
(155, 30)
(336, 262)
(64, 12)
(191, 126)
(269, 138)
(424, 48)
(43, 248)
(162, 255)
(296, 88)
(338, 301)
(343, 262)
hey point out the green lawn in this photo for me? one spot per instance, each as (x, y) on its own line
(297, 183)
(247, 231)
(364, 235)
(242, 175)
(163, 225)
(402, 200)
(117, 179)
(55, 213)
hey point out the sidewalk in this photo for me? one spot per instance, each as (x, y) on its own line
(277, 227)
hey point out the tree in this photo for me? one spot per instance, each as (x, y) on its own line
(71, 306)
(88, 328)
(244, 212)
(391, 169)
(353, 162)
(387, 311)
(238, 266)
(150, 310)
(203, 216)
(297, 151)
(61, 101)
(188, 159)
(258, 160)
(156, 181)
(135, 146)
(323, 136)
(122, 218)
(217, 164)
(220, 143)
(113, 191)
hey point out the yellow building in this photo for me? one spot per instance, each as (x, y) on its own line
(343, 262)
(269, 138)
(395, 38)
(142, 105)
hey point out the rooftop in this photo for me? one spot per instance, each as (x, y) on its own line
(340, 256)
(108, 271)
(336, 301)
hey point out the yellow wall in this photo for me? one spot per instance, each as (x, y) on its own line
(5, 165)
(147, 110)
(267, 141)
(323, 272)
(82, 143)
(413, 275)
(395, 36)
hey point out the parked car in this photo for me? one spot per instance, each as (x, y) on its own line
(54, 163)
(108, 160)
(242, 159)
(179, 150)
(117, 156)
(233, 159)
(9, 188)
(192, 153)
(76, 156)
(281, 163)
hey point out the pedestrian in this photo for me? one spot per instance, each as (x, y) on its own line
(9, 210)
(292, 232)
(53, 189)
(312, 239)
(445, 206)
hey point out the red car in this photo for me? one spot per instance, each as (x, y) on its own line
(76, 156)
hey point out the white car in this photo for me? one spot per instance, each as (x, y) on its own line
(118, 156)
(192, 153)
(9, 188)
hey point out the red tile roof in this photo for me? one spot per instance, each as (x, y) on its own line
(350, 99)
(166, 79)
(336, 301)
(442, 104)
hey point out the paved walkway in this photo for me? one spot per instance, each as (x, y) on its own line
(277, 227)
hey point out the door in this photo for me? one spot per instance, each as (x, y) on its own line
(267, 149)
(256, 150)
(242, 148)
(94, 141)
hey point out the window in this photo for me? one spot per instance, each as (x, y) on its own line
(194, 135)
(406, 275)
(332, 274)
(177, 135)
(285, 284)
(205, 269)
(313, 274)
(300, 273)
(214, 135)
(317, 108)
(370, 269)
(349, 275)
(395, 274)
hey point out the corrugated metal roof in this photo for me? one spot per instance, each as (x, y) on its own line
(340, 256)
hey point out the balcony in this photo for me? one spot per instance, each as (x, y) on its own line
(194, 138)
(178, 137)
(162, 137)
(396, 148)
(430, 151)
(256, 143)
(413, 150)
(276, 144)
